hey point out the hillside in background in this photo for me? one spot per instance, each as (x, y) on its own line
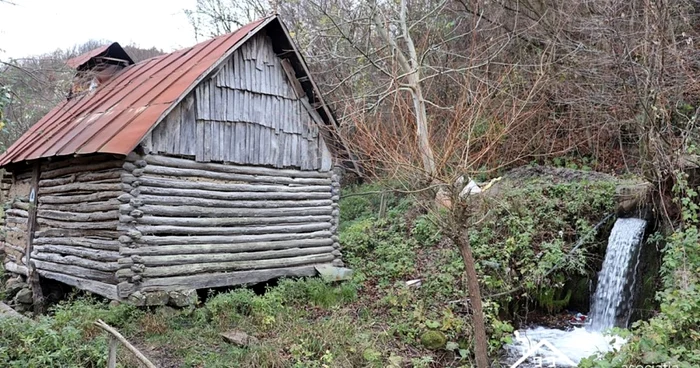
(35, 85)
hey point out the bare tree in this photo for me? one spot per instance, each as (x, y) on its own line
(215, 17)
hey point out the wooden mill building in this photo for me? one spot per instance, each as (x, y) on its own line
(210, 166)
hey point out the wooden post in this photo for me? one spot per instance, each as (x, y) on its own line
(112, 357)
(34, 279)
(116, 336)
(382, 206)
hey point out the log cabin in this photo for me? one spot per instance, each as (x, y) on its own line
(210, 166)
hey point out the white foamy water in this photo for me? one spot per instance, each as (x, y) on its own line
(610, 306)
(575, 344)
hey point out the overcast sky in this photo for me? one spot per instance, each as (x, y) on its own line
(34, 27)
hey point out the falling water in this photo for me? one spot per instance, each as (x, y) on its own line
(612, 301)
(611, 304)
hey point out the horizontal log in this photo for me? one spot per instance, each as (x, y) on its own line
(183, 259)
(13, 257)
(125, 198)
(150, 240)
(19, 228)
(219, 187)
(212, 280)
(189, 230)
(77, 233)
(17, 213)
(20, 205)
(95, 275)
(109, 205)
(75, 261)
(127, 178)
(248, 170)
(185, 248)
(15, 220)
(170, 171)
(124, 289)
(77, 161)
(58, 181)
(101, 244)
(196, 211)
(99, 176)
(92, 254)
(229, 221)
(78, 217)
(129, 166)
(191, 269)
(100, 288)
(17, 268)
(188, 201)
(133, 156)
(17, 248)
(25, 175)
(94, 197)
(77, 168)
(231, 196)
(82, 187)
(97, 225)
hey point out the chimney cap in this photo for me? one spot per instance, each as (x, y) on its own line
(111, 52)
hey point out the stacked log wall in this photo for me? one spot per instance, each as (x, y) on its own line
(193, 225)
(16, 236)
(76, 236)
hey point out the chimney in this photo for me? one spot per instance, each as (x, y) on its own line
(96, 67)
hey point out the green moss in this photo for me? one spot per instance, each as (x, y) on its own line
(433, 340)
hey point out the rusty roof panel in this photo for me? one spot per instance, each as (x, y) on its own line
(83, 58)
(117, 115)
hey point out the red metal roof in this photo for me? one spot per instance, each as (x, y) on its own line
(117, 115)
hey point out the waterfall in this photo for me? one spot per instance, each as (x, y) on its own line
(611, 306)
(612, 302)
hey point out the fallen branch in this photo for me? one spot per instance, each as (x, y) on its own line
(116, 335)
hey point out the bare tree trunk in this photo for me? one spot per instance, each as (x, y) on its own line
(410, 66)
(481, 343)
(426, 150)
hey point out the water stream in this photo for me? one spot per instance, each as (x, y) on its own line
(610, 307)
